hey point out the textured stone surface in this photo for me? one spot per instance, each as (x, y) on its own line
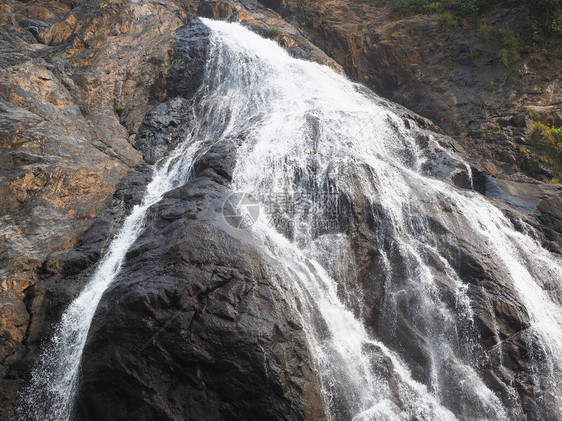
(74, 88)
(79, 90)
(196, 326)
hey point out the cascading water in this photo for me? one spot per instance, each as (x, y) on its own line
(54, 379)
(308, 131)
(312, 131)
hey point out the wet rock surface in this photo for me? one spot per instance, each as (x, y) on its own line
(390, 303)
(450, 77)
(197, 326)
(446, 77)
(88, 99)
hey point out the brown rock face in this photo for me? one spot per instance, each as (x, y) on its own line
(93, 92)
(76, 88)
(73, 91)
(261, 21)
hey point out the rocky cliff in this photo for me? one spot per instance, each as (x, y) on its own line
(75, 88)
(93, 93)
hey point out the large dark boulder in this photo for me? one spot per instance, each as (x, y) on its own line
(197, 326)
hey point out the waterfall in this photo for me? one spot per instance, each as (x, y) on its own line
(309, 130)
(310, 134)
(50, 394)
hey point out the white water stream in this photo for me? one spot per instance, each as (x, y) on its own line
(307, 129)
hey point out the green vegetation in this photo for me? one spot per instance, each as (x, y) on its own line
(274, 33)
(525, 153)
(537, 23)
(474, 54)
(509, 53)
(122, 111)
(548, 141)
(178, 62)
(423, 6)
(465, 8)
(446, 22)
(484, 30)
(530, 113)
(494, 129)
(552, 134)
(557, 22)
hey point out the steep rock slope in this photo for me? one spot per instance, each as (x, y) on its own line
(91, 92)
(197, 326)
(67, 121)
(85, 97)
(498, 338)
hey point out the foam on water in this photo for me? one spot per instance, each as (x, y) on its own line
(306, 128)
